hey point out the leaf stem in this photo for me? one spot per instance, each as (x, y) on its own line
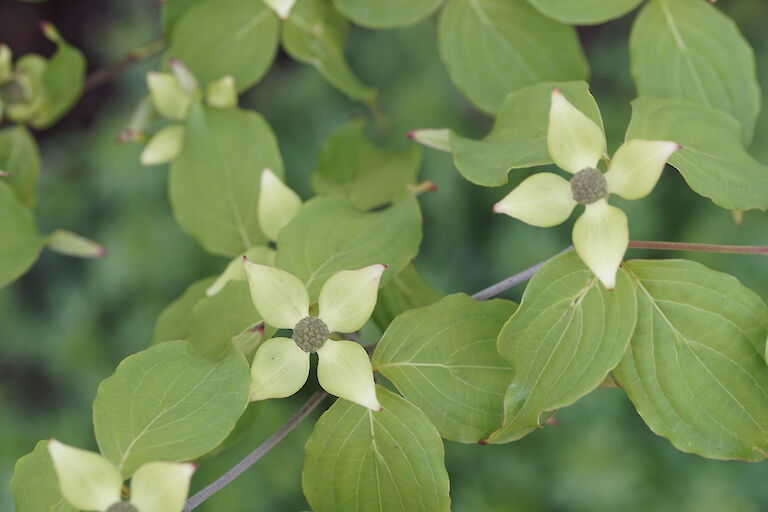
(680, 246)
(106, 75)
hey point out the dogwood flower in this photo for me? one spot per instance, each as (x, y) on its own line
(88, 481)
(576, 144)
(281, 365)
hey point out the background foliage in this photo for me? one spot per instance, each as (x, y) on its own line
(65, 325)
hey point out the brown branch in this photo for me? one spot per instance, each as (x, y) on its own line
(106, 75)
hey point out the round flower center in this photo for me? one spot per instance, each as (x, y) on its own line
(310, 334)
(122, 506)
(589, 185)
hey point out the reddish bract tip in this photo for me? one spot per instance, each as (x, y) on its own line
(431, 186)
(679, 147)
(411, 134)
(103, 253)
(45, 26)
(555, 90)
(258, 328)
(245, 259)
(483, 442)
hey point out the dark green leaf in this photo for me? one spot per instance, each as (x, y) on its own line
(584, 12)
(388, 14)
(20, 242)
(20, 158)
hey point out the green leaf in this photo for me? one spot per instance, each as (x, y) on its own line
(407, 290)
(565, 338)
(20, 242)
(214, 181)
(235, 38)
(713, 160)
(351, 165)
(315, 34)
(168, 403)
(695, 369)
(494, 47)
(688, 50)
(173, 10)
(219, 318)
(329, 235)
(35, 486)
(20, 158)
(443, 358)
(519, 136)
(62, 81)
(584, 12)
(175, 321)
(360, 460)
(389, 14)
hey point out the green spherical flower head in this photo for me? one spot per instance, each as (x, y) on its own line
(122, 506)
(310, 334)
(589, 185)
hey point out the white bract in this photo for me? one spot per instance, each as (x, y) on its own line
(278, 205)
(576, 145)
(281, 365)
(90, 482)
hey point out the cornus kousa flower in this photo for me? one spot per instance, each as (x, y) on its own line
(88, 481)
(576, 144)
(281, 365)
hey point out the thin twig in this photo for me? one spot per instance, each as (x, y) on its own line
(193, 502)
(680, 246)
(106, 75)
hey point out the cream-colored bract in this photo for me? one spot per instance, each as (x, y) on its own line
(89, 481)
(167, 95)
(281, 7)
(346, 302)
(575, 142)
(278, 204)
(222, 93)
(164, 146)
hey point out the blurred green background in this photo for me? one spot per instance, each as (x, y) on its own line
(66, 324)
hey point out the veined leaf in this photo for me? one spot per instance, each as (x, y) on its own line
(567, 335)
(172, 10)
(315, 34)
(443, 358)
(329, 235)
(713, 160)
(20, 158)
(175, 321)
(351, 165)
(695, 369)
(168, 403)
(226, 37)
(494, 47)
(20, 242)
(407, 290)
(214, 182)
(519, 136)
(360, 460)
(35, 486)
(389, 14)
(689, 50)
(584, 12)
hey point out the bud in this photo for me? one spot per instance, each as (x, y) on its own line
(50, 32)
(140, 119)
(277, 204)
(168, 96)
(222, 93)
(164, 146)
(6, 66)
(72, 244)
(186, 79)
(439, 139)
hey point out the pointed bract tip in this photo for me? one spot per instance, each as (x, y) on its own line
(431, 186)
(173, 61)
(411, 134)
(102, 253)
(384, 265)
(496, 208)
(4, 174)
(555, 91)
(45, 26)
(679, 147)
(245, 259)
(483, 442)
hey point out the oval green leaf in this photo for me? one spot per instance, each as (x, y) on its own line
(407, 290)
(168, 403)
(443, 359)
(713, 160)
(35, 486)
(359, 460)
(20, 158)
(494, 47)
(175, 321)
(389, 14)
(695, 369)
(235, 38)
(214, 182)
(20, 242)
(689, 50)
(329, 235)
(565, 338)
(584, 12)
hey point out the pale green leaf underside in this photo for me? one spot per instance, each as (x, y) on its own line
(20, 242)
(519, 135)
(357, 460)
(329, 235)
(407, 290)
(386, 14)
(584, 12)
(315, 34)
(443, 359)
(351, 165)
(168, 403)
(227, 37)
(713, 160)
(494, 47)
(19, 156)
(175, 321)
(567, 335)
(214, 182)
(695, 368)
(688, 50)
(34, 486)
